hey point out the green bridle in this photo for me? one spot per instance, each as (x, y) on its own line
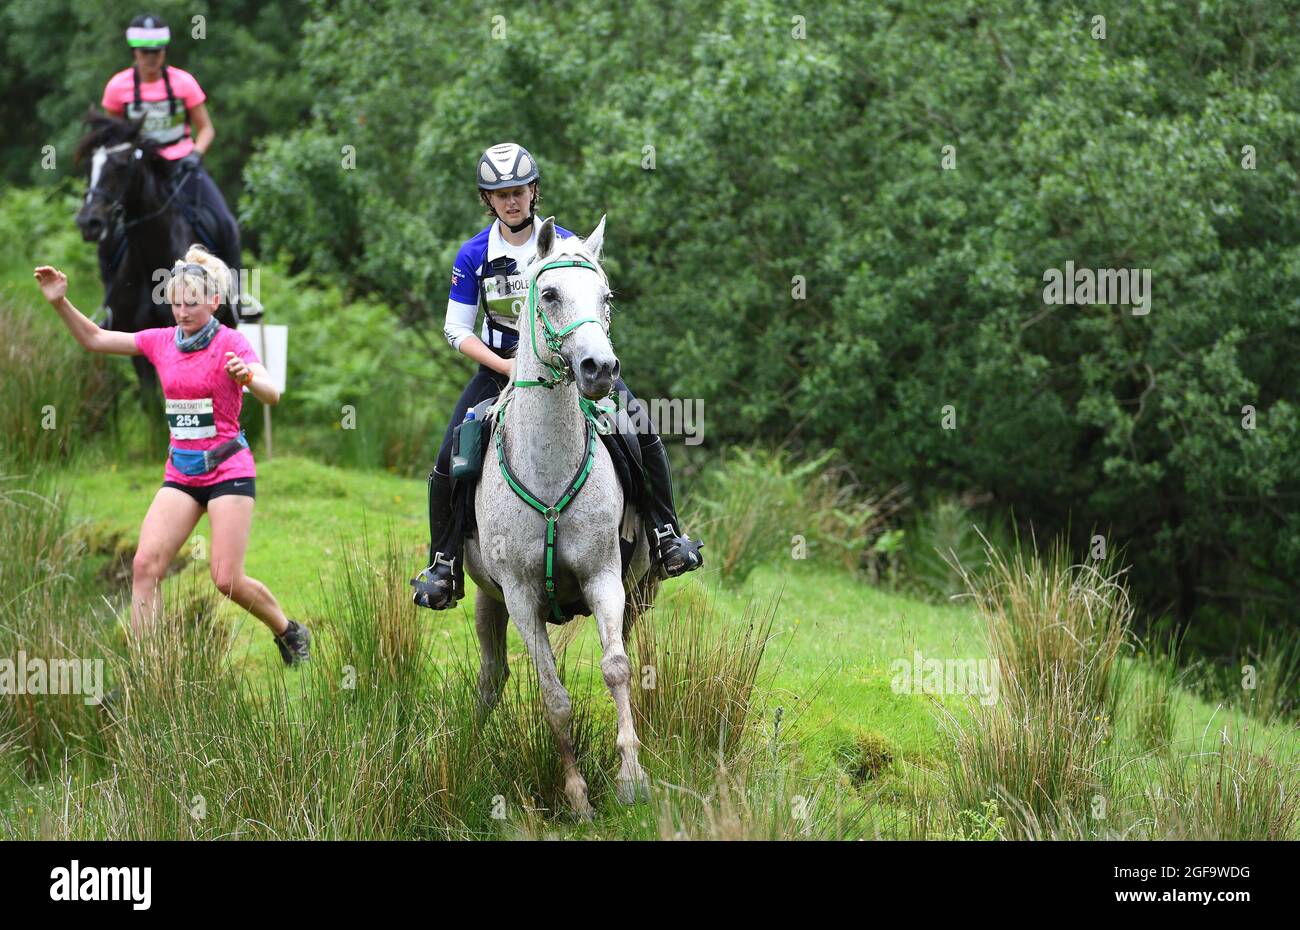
(561, 374)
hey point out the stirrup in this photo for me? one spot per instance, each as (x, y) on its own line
(677, 554)
(428, 592)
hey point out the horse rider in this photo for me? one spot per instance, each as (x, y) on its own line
(488, 275)
(174, 111)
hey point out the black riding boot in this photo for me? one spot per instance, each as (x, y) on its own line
(671, 549)
(443, 583)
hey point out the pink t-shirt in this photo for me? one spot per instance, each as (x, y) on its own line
(120, 95)
(199, 376)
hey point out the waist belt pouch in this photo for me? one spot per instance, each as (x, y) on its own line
(200, 462)
(466, 450)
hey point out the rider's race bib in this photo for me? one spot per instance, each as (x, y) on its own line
(191, 419)
(159, 125)
(506, 295)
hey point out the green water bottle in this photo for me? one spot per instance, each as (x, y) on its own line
(466, 456)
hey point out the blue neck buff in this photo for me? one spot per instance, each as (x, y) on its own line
(200, 339)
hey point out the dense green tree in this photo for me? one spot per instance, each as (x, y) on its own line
(792, 151)
(832, 226)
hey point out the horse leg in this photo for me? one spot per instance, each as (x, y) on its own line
(490, 622)
(527, 616)
(605, 595)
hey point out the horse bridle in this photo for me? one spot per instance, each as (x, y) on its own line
(94, 190)
(557, 366)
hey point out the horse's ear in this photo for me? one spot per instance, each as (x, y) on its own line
(596, 240)
(546, 238)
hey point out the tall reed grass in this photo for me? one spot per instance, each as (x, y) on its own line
(48, 613)
(54, 395)
(1043, 750)
(378, 738)
(757, 506)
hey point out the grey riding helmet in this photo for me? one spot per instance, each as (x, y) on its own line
(506, 165)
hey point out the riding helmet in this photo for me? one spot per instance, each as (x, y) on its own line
(506, 165)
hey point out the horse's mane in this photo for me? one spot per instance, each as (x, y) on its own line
(107, 131)
(510, 382)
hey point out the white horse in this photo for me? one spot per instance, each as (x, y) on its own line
(541, 449)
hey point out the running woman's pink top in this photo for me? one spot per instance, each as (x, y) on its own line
(119, 95)
(202, 402)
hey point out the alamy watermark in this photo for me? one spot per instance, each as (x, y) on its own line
(79, 882)
(921, 675)
(664, 416)
(1122, 286)
(25, 674)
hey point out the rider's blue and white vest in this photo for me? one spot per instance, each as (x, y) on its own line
(488, 275)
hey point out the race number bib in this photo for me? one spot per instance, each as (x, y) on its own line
(191, 419)
(159, 124)
(505, 295)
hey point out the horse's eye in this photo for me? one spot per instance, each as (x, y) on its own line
(549, 293)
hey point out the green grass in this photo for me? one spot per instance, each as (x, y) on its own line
(824, 700)
(835, 635)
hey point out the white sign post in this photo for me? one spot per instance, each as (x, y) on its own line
(272, 345)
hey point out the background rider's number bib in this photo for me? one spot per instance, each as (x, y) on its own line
(191, 419)
(159, 124)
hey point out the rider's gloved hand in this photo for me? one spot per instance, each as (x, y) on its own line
(191, 161)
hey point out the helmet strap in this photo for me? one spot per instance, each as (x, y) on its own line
(528, 221)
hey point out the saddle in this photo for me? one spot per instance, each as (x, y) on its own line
(624, 452)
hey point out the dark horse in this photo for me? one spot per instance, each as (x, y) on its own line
(133, 211)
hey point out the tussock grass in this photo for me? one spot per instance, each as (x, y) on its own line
(758, 506)
(1055, 630)
(375, 739)
(380, 737)
(48, 614)
(696, 678)
(1230, 786)
(1276, 695)
(53, 394)
(1053, 624)
(1151, 684)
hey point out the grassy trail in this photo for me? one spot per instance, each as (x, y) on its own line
(828, 662)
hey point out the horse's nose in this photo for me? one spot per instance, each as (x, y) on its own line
(92, 228)
(599, 371)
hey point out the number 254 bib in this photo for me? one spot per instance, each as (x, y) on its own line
(191, 419)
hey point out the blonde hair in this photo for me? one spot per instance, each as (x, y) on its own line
(218, 274)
